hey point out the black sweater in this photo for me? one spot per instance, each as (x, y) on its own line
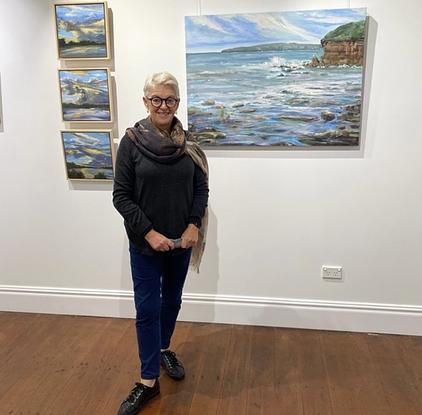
(149, 195)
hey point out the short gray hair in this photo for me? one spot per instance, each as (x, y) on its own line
(161, 78)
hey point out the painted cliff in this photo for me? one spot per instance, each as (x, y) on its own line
(344, 45)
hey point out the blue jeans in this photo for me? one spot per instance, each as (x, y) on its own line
(157, 284)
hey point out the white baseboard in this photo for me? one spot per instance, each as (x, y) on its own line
(262, 311)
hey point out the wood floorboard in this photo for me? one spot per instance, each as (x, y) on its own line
(315, 391)
(178, 395)
(213, 340)
(260, 384)
(12, 327)
(353, 381)
(60, 360)
(234, 394)
(100, 368)
(286, 373)
(127, 370)
(402, 395)
(29, 360)
(68, 365)
(412, 353)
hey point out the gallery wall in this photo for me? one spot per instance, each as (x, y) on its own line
(276, 217)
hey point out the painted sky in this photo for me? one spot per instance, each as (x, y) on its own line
(88, 148)
(216, 32)
(81, 22)
(85, 86)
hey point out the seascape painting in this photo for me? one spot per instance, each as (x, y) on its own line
(82, 31)
(285, 79)
(88, 155)
(85, 94)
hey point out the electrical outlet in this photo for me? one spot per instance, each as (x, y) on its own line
(332, 273)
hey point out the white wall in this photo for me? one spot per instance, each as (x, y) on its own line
(276, 217)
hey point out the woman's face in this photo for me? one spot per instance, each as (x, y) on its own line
(161, 116)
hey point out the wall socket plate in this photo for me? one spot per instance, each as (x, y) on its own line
(331, 272)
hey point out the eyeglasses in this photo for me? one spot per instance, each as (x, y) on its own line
(157, 101)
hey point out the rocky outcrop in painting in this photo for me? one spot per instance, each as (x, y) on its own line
(344, 45)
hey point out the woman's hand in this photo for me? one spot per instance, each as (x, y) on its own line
(158, 241)
(190, 236)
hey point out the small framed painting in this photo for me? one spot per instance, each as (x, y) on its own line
(85, 94)
(82, 31)
(88, 154)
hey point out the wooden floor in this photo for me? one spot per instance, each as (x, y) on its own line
(67, 365)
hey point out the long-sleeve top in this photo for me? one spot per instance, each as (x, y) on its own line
(149, 195)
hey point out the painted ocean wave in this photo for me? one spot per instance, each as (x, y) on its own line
(271, 98)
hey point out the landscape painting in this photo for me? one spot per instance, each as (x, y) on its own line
(82, 31)
(285, 79)
(85, 94)
(88, 155)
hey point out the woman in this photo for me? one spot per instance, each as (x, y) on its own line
(161, 190)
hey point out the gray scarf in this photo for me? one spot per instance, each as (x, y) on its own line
(157, 144)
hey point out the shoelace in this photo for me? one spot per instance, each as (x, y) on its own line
(170, 358)
(135, 392)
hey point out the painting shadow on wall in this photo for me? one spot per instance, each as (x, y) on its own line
(204, 283)
(371, 35)
(1, 112)
(126, 306)
(101, 186)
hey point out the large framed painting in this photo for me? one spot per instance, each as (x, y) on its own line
(88, 154)
(286, 79)
(82, 31)
(85, 94)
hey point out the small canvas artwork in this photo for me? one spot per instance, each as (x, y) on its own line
(284, 79)
(88, 154)
(82, 31)
(85, 94)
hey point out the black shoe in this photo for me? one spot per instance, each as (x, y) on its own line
(138, 397)
(172, 365)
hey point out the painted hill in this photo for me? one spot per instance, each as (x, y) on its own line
(271, 47)
(349, 32)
